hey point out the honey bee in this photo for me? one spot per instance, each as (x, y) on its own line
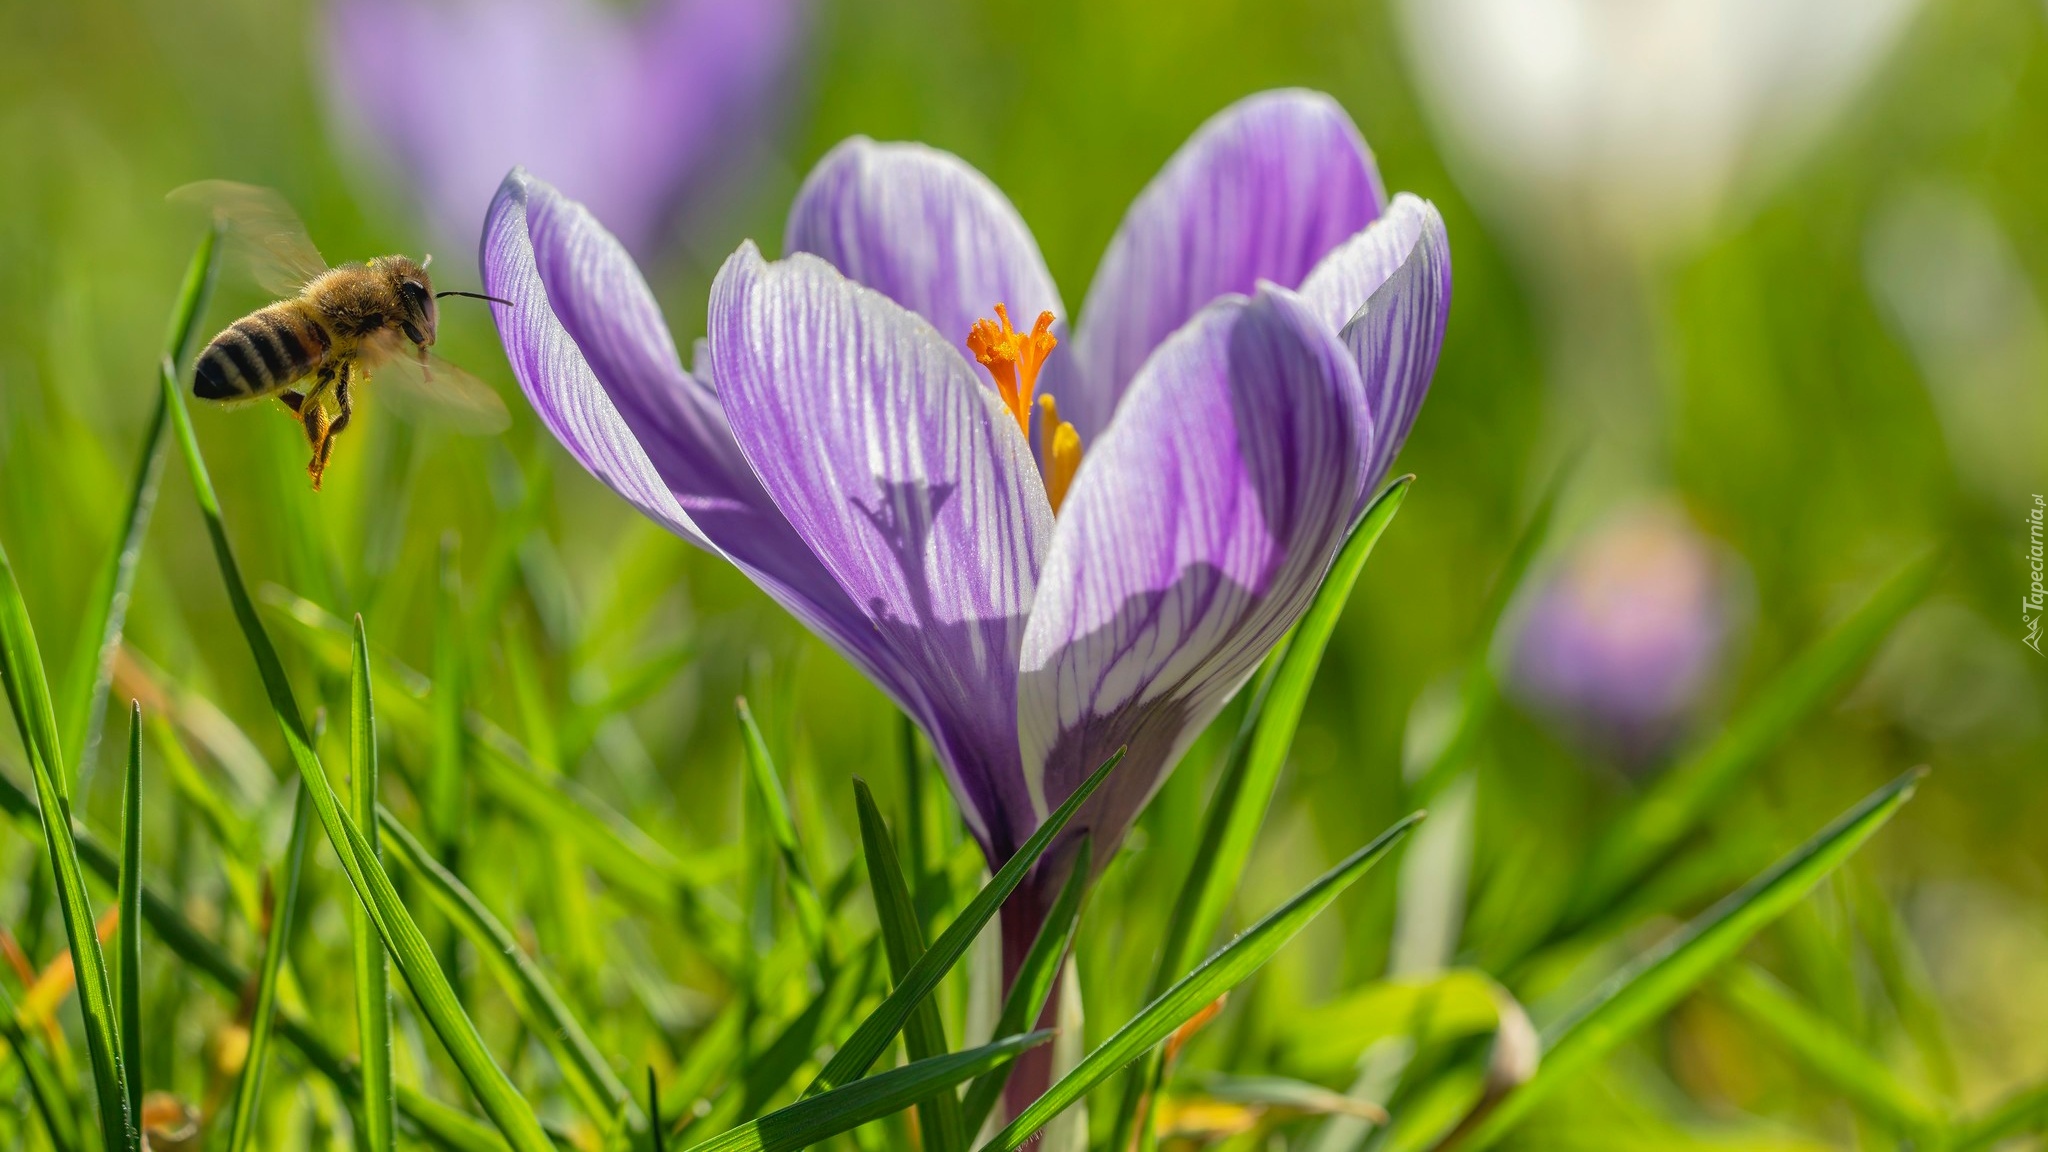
(335, 327)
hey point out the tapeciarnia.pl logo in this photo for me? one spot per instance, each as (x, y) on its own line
(2037, 596)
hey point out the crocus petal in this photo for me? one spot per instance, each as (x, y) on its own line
(553, 372)
(622, 109)
(1388, 291)
(1342, 281)
(1260, 192)
(590, 350)
(925, 229)
(1195, 534)
(910, 482)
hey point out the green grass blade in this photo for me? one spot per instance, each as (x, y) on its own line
(768, 1073)
(654, 1112)
(625, 691)
(924, 1036)
(1033, 986)
(1649, 986)
(442, 797)
(626, 855)
(1682, 797)
(873, 1035)
(1230, 966)
(106, 612)
(621, 850)
(592, 1081)
(2023, 1113)
(1251, 772)
(1480, 691)
(814, 1118)
(249, 1092)
(28, 692)
(1902, 974)
(494, 1091)
(372, 970)
(713, 1050)
(782, 830)
(1293, 1095)
(756, 1074)
(1835, 1057)
(438, 1002)
(447, 1126)
(45, 1087)
(916, 839)
(129, 893)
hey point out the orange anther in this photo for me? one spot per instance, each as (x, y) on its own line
(1013, 358)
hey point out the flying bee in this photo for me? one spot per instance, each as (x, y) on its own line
(334, 329)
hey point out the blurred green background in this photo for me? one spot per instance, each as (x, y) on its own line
(1792, 415)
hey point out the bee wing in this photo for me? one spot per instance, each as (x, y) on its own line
(434, 391)
(262, 232)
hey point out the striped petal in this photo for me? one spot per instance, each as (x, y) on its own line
(1196, 532)
(925, 229)
(911, 484)
(1387, 291)
(596, 361)
(1260, 192)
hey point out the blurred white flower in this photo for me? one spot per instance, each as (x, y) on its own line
(1637, 119)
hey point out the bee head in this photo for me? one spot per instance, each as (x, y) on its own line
(417, 315)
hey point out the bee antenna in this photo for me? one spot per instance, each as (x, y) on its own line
(475, 296)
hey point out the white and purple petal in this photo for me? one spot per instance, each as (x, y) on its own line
(1343, 280)
(1387, 292)
(554, 373)
(1195, 534)
(589, 348)
(911, 484)
(925, 229)
(1261, 192)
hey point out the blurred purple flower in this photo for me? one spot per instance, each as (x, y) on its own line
(628, 112)
(1255, 346)
(1620, 644)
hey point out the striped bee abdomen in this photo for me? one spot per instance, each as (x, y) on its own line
(259, 354)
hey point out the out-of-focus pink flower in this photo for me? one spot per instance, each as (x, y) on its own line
(627, 111)
(1622, 641)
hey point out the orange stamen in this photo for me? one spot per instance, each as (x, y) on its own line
(1013, 358)
(1059, 450)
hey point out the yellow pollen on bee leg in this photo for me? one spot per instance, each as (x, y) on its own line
(1059, 449)
(1013, 358)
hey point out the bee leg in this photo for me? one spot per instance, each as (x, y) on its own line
(346, 406)
(291, 400)
(344, 401)
(312, 413)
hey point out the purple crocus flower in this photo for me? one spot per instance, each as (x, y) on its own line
(1619, 645)
(856, 435)
(627, 111)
